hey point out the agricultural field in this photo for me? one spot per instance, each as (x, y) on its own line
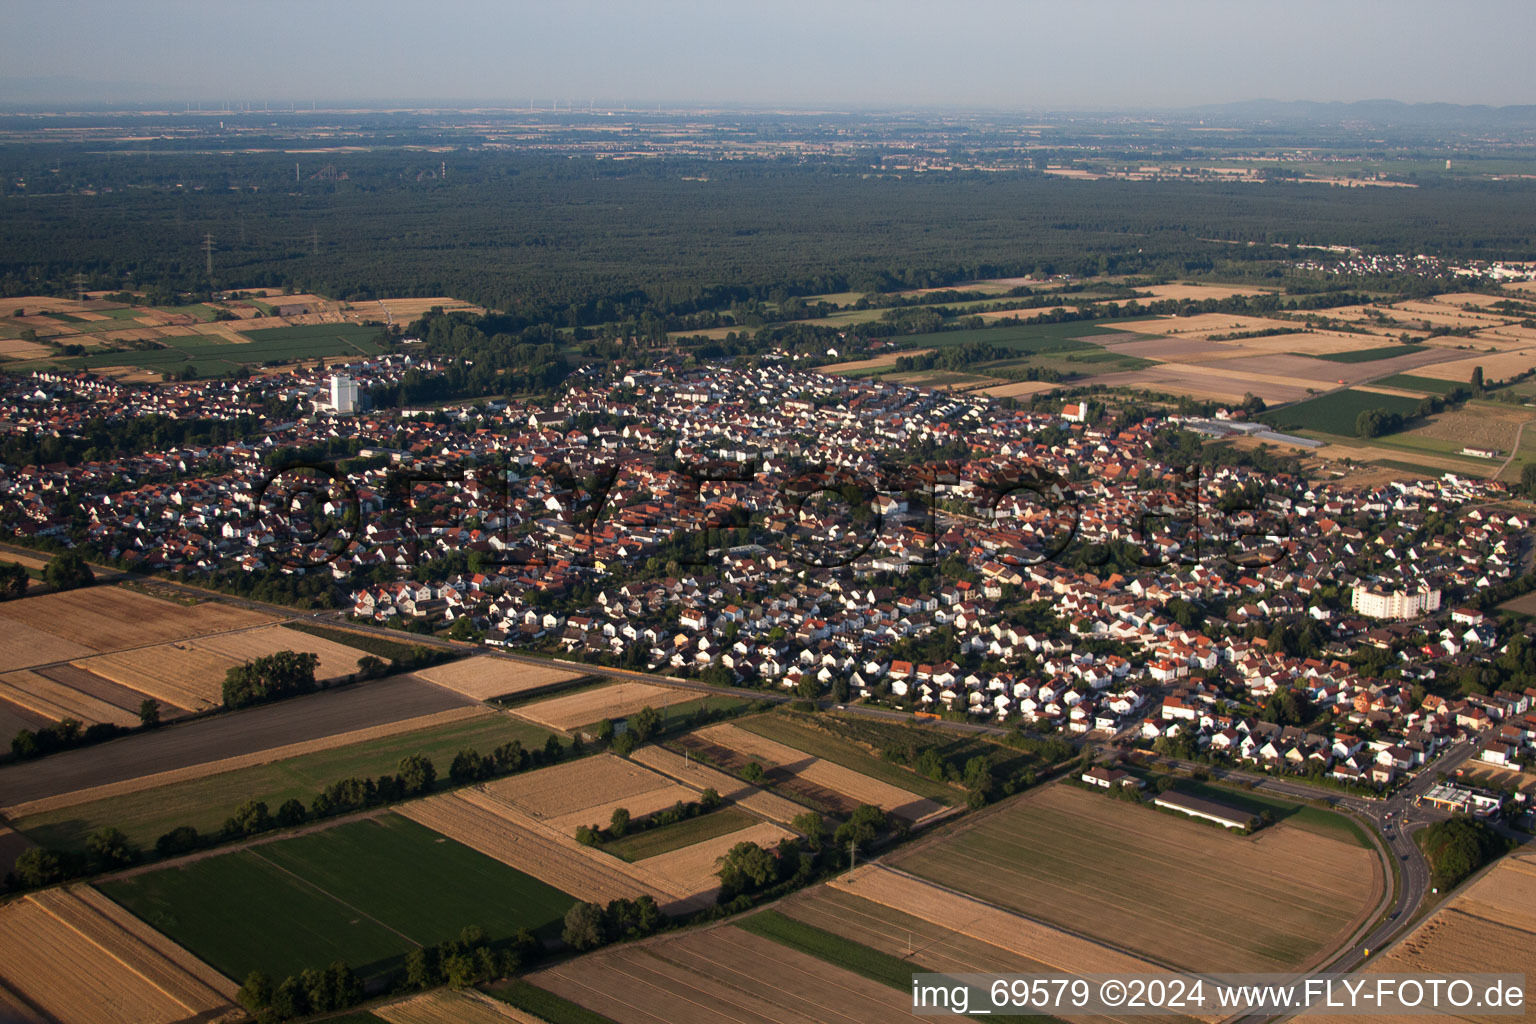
(699, 777)
(586, 792)
(1336, 413)
(850, 746)
(1370, 355)
(213, 355)
(81, 958)
(653, 842)
(66, 691)
(1047, 855)
(448, 1006)
(592, 704)
(366, 892)
(204, 796)
(500, 831)
(106, 618)
(718, 974)
(485, 676)
(1023, 339)
(1488, 927)
(789, 766)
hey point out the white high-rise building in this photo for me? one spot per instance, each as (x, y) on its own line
(1395, 604)
(343, 393)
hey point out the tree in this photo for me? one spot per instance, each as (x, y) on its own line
(709, 799)
(417, 774)
(271, 677)
(291, 813)
(746, 867)
(645, 723)
(1458, 847)
(1528, 478)
(249, 818)
(68, 571)
(465, 767)
(753, 772)
(149, 713)
(256, 993)
(13, 581)
(1477, 378)
(369, 667)
(584, 926)
(109, 848)
(618, 824)
(810, 825)
(178, 840)
(38, 866)
(421, 968)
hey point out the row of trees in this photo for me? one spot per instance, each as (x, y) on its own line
(621, 824)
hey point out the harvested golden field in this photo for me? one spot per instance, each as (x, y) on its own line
(861, 789)
(499, 830)
(336, 660)
(176, 673)
(16, 348)
(701, 777)
(446, 1006)
(1018, 389)
(691, 870)
(411, 309)
(1489, 927)
(22, 645)
(720, 974)
(570, 788)
(879, 362)
(1496, 366)
(1201, 292)
(617, 700)
(1041, 943)
(486, 676)
(1028, 313)
(83, 959)
(1482, 425)
(1048, 854)
(53, 700)
(1208, 383)
(112, 618)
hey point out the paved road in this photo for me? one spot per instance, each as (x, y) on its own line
(230, 734)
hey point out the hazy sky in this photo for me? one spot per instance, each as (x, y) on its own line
(881, 53)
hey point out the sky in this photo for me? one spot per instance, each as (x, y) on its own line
(829, 54)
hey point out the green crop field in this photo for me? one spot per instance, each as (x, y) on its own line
(205, 803)
(791, 733)
(1021, 338)
(1428, 385)
(1370, 355)
(1336, 413)
(212, 356)
(367, 892)
(655, 841)
(545, 1005)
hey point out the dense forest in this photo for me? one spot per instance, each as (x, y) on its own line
(577, 240)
